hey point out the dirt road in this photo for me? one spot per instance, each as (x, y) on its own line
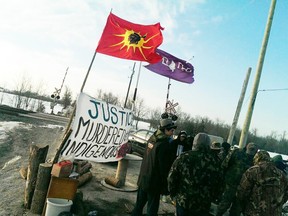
(14, 154)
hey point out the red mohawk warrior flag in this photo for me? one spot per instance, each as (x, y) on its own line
(127, 40)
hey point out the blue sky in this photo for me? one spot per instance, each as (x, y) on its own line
(40, 39)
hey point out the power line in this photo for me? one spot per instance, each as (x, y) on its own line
(282, 89)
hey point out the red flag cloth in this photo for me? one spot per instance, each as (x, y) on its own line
(127, 40)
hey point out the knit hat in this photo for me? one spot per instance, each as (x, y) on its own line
(261, 156)
(167, 124)
(201, 141)
(251, 148)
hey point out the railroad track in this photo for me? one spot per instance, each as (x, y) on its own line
(53, 119)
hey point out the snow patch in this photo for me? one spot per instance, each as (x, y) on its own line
(6, 126)
(13, 160)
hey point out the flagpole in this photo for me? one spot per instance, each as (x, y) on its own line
(68, 130)
(135, 92)
(133, 71)
(167, 97)
(84, 82)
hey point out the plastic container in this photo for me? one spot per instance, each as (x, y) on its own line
(56, 205)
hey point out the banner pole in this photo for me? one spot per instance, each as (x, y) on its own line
(167, 97)
(68, 130)
(133, 71)
(84, 82)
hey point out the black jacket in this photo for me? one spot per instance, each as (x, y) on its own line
(156, 164)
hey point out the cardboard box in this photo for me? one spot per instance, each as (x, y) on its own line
(62, 169)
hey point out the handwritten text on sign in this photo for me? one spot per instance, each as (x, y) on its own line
(99, 130)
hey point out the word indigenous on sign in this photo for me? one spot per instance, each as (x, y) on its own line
(99, 130)
(90, 150)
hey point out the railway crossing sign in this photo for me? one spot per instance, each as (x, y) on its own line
(170, 107)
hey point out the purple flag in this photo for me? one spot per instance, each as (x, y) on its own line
(173, 67)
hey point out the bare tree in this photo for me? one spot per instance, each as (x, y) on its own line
(38, 103)
(67, 98)
(28, 97)
(154, 117)
(2, 94)
(108, 97)
(283, 135)
(22, 87)
(140, 111)
(40, 106)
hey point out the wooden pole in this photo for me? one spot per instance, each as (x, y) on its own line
(41, 188)
(74, 110)
(37, 156)
(238, 109)
(121, 171)
(135, 92)
(245, 130)
(58, 151)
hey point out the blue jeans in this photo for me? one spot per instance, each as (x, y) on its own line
(151, 198)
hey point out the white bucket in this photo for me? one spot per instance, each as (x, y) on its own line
(56, 205)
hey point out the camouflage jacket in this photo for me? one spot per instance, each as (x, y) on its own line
(263, 190)
(235, 164)
(194, 180)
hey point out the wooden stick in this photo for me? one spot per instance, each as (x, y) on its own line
(65, 138)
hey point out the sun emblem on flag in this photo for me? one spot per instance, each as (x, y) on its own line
(135, 41)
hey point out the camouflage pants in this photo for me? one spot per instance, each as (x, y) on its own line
(227, 199)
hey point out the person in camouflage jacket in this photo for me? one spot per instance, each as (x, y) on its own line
(263, 188)
(157, 161)
(194, 179)
(234, 165)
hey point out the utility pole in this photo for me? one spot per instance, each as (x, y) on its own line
(245, 129)
(238, 109)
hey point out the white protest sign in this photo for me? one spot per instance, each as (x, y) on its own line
(100, 131)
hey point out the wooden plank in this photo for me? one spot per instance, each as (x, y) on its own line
(64, 188)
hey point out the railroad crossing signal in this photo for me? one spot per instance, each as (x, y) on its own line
(170, 107)
(56, 94)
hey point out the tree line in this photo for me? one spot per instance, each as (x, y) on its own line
(24, 96)
(193, 125)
